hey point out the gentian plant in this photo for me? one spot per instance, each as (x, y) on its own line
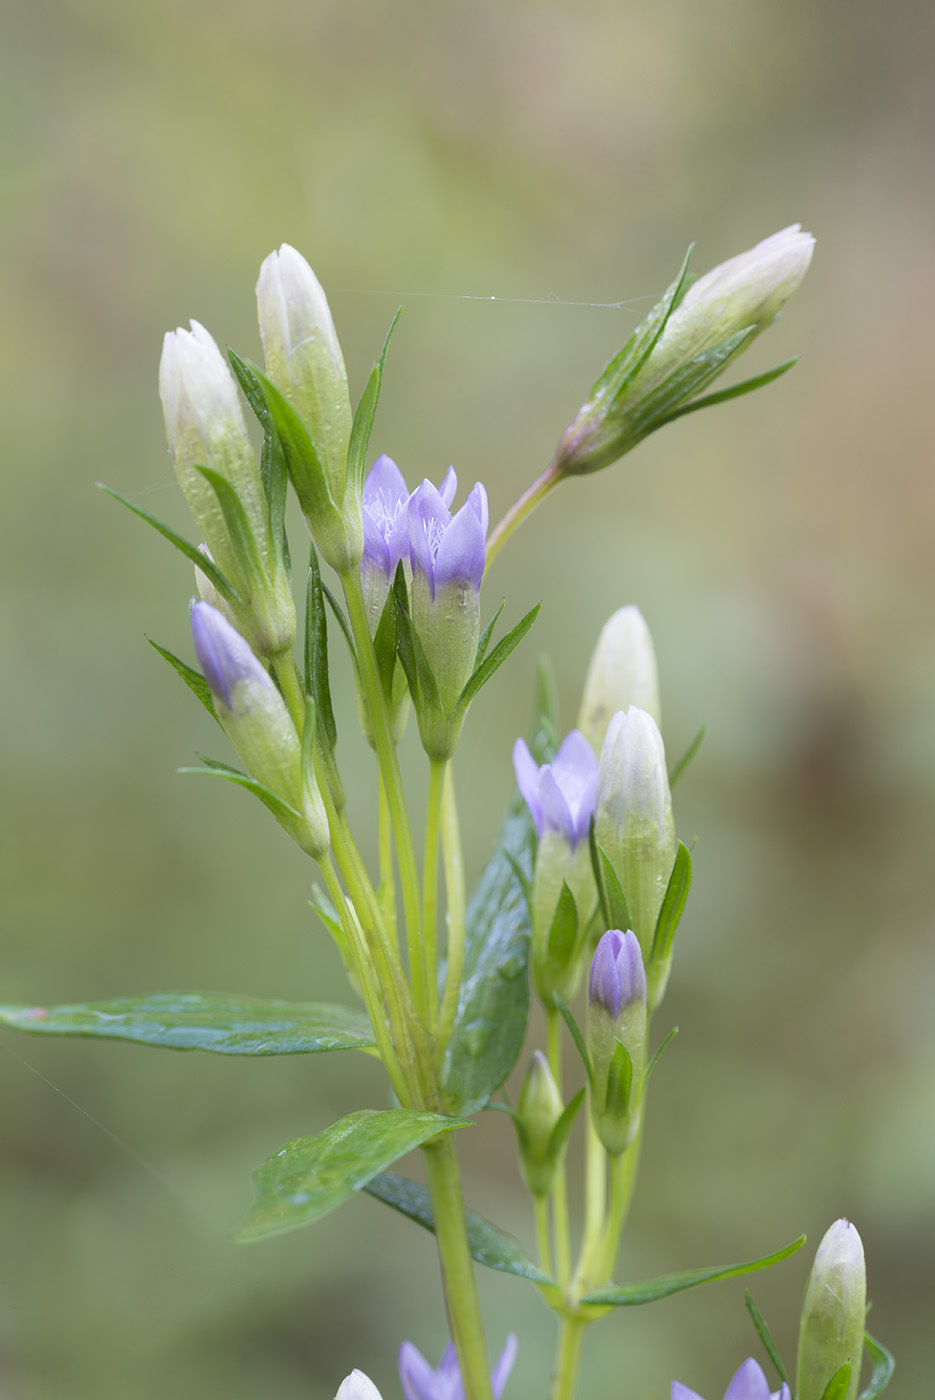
(587, 882)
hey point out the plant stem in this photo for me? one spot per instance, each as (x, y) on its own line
(595, 1203)
(387, 890)
(541, 1206)
(562, 1231)
(437, 768)
(389, 767)
(520, 508)
(454, 890)
(568, 1357)
(461, 1302)
(622, 1182)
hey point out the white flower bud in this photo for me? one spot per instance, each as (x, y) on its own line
(622, 673)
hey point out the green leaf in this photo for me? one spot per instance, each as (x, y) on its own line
(745, 387)
(224, 1025)
(658, 1055)
(634, 1294)
(660, 405)
(192, 678)
(252, 390)
(544, 740)
(766, 1337)
(344, 625)
(837, 1387)
(316, 653)
(613, 901)
(673, 903)
(364, 416)
(493, 1002)
(489, 1245)
(562, 1128)
(496, 658)
(687, 756)
(385, 641)
(302, 460)
(564, 931)
(215, 769)
(200, 560)
(314, 1175)
(883, 1368)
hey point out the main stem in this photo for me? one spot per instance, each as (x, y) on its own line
(461, 1301)
(568, 1357)
(518, 511)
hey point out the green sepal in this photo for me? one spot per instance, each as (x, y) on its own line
(564, 1125)
(617, 376)
(495, 660)
(302, 460)
(883, 1367)
(745, 387)
(223, 1025)
(243, 541)
(619, 1082)
(838, 1386)
(567, 1015)
(273, 471)
(386, 640)
(660, 405)
(658, 1055)
(635, 1294)
(252, 390)
(488, 1244)
(344, 625)
(544, 741)
(563, 934)
(484, 641)
(316, 654)
(192, 678)
(422, 684)
(673, 904)
(364, 416)
(613, 901)
(766, 1337)
(311, 1176)
(201, 561)
(309, 735)
(213, 768)
(679, 768)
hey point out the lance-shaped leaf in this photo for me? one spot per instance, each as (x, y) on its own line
(679, 767)
(314, 1175)
(766, 1337)
(364, 415)
(192, 678)
(883, 1368)
(747, 386)
(495, 660)
(489, 1245)
(633, 1294)
(225, 1025)
(201, 561)
(316, 654)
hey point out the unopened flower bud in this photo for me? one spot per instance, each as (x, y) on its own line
(633, 823)
(538, 1111)
(617, 1037)
(205, 428)
(831, 1332)
(560, 796)
(253, 714)
(718, 317)
(303, 357)
(622, 673)
(357, 1386)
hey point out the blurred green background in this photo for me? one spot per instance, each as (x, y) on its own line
(441, 154)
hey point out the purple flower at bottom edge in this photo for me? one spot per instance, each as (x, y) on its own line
(560, 795)
(748, 1383)
(420, 1382)
(446, 548)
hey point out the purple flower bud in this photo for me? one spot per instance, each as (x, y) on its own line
(749, 1383)
(560, 795)
(223, 654)
(445, 548)
(420, 1382)
(386, 521)
(617, 975)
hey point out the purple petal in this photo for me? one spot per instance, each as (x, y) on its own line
(477, 500)
(448, 1382)
(604, 982)
(461, 551)
(555, 813)
(385, 484)
(416, 1376)
(748, 1383)
(223, 654)
(630, 970)
(501, 1372)
(449, 487)
(527, 780)
(784, 1393)
(575, 771)
(682, 1392)
(429, 518)
(386, 526)
(375, 545)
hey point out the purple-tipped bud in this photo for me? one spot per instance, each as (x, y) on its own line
(225, 657)
(560, 795)
(747, 1383)
(421, 1382)
(617, 975)
(357, 1386)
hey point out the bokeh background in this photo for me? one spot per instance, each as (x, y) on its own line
(557, 158)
